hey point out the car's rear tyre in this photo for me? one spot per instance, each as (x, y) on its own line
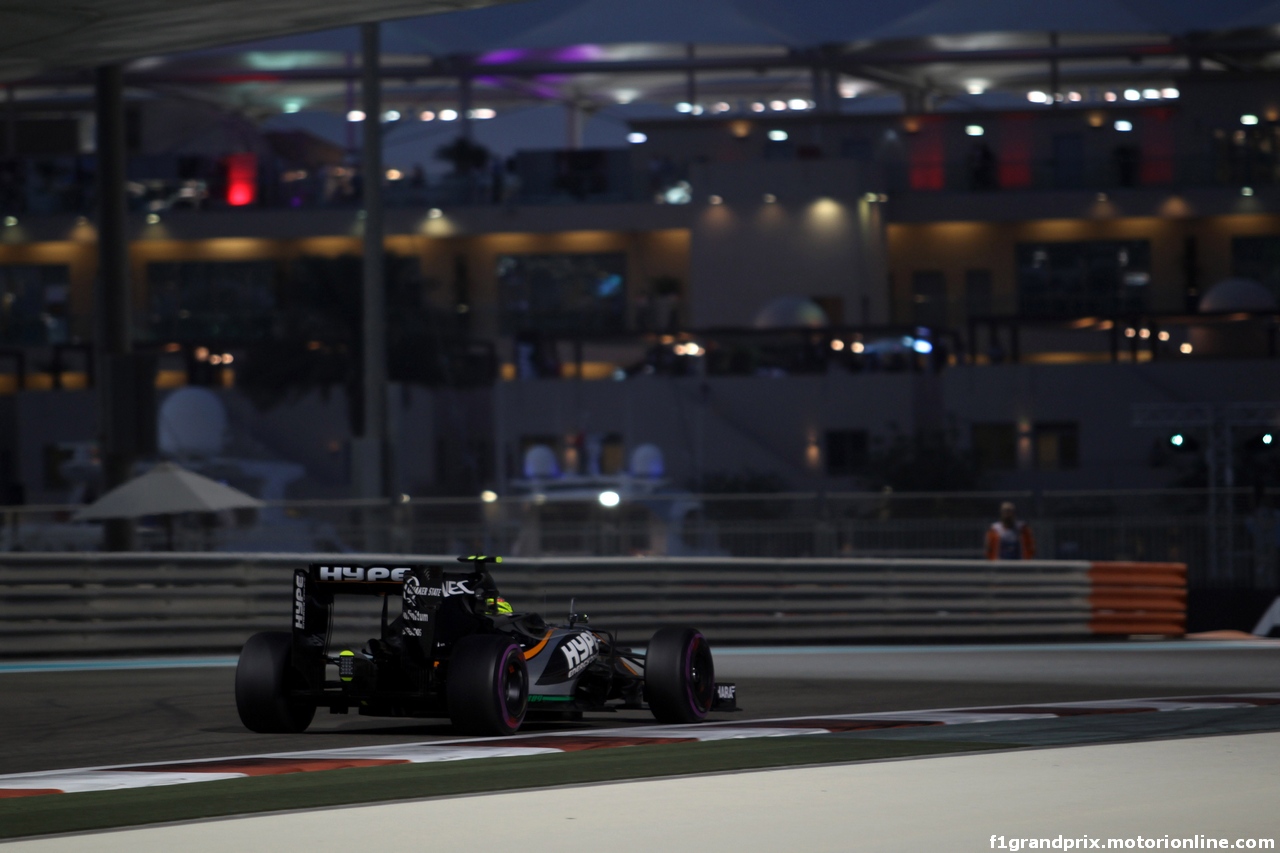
(488, 689)
(679, 676)
(264, 679)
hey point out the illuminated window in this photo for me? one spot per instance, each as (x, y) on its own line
(216, 300)
(563, 292)
(1074, 279)
(33, 303)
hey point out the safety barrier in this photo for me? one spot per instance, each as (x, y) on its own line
(148, 603)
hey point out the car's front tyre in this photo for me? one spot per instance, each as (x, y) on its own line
(265, 678)
(488, 689)
(679, 676)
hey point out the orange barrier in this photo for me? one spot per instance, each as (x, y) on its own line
(1138, 598)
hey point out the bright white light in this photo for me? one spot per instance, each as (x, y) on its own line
(1037, 97)
(777, 136)
(856, 346)
(757, 107)
(798, 104)
(1247, 192)
(435, 213)
(488, 496)
(680, 193)
(1248, 118)
(625, 96)
(637, 138)
(684, 107)
(355, 115)
(1151, 94)
(483, 113)
(1132, 95)
(448, 115)
(391, 115)
(1075, 97)
(777, 106)
(837, 344)
(1266, 439)
(1177, 440)
(976, 87)
(1123, 126)
(1170, 93)
(292, 107)
(974, 130)
(610, 499)
(1109, 97)
(922, 346)
(1185, 349)
(427, 115)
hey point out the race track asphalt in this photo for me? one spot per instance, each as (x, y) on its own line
(93, 717)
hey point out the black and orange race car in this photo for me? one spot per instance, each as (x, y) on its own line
(449, 652)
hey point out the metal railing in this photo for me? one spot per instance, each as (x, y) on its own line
(1156, 525)
(139, 603)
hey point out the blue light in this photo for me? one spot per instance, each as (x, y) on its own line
(609, 286)
(922, 346)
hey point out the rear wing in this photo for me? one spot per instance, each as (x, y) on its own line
(314, 588)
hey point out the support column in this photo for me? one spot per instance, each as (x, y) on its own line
(574, 119)
(113, 335)
(373, 466)
(690, 79)
(10, 123)
(464, 106)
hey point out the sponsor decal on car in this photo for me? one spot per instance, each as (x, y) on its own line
(726, 692)
(412, 587)
(457, 588)
(416, 616)
(300, 602)
(579, 651)
(361, 573)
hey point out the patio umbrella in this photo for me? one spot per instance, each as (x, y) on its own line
(166, 490)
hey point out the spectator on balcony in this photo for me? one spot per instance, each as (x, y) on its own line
(1009, 538)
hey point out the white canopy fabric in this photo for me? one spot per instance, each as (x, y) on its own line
(167, 489)
(956, 17)
(635, 21)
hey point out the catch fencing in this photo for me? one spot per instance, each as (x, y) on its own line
(166, 603)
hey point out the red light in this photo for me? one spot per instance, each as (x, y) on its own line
(1014, 158)
(242, 179)
(927, 165)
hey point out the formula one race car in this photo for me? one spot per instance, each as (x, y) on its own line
(449, 654)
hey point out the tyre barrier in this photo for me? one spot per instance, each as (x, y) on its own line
(154, 603)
